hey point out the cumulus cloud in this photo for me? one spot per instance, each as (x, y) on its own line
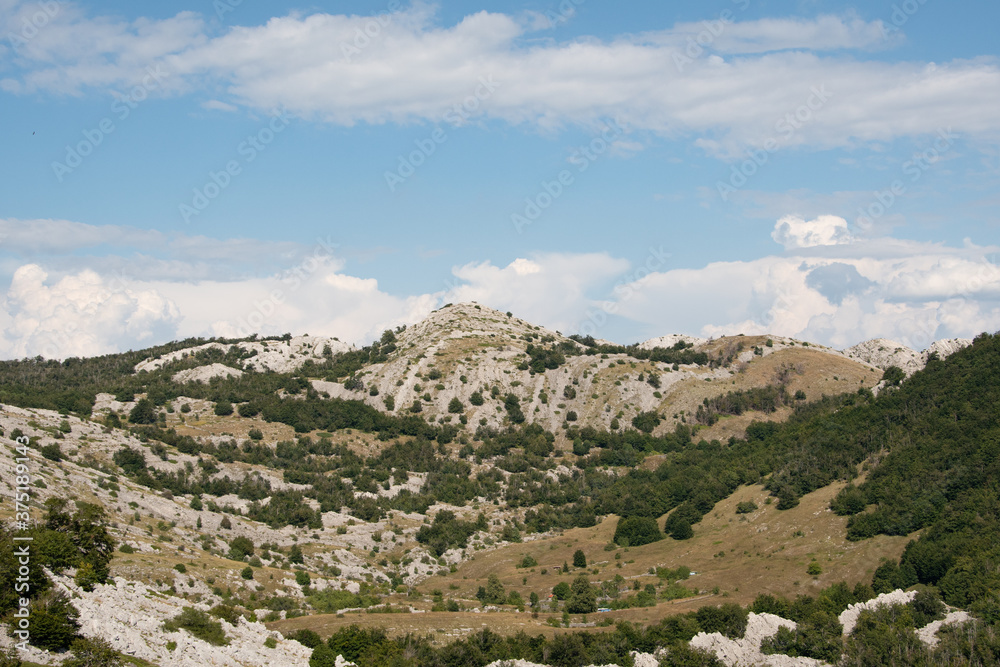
(406, 67)
(552, 289)
(911, 292)
(81, 315)
(794, 232)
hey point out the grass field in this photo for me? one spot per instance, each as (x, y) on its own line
(735, 557)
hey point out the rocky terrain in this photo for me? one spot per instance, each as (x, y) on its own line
(178, 547)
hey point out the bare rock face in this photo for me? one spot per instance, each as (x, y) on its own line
(670, 341)
(882, 353)
(130, 616)
(746, 651)
(206, 373)
(280, 356)
(849, 617)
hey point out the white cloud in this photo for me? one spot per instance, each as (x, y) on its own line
(794, 232)
(81, 315)
(835, 294)
(551, 289)
(216, 105)
(411, 69)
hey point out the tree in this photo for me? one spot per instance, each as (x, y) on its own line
(223, 408)
(495, 593)
(561, 590)
(323, 656)
(131, 461)
(513, 406)
(54, 623)
(144, 412)
(582, 597)
(646, 421)
(295, 555)
(476, 398)
(240, 548)
(579, 558)
(247, 572)
(455, 406)
(635, 531)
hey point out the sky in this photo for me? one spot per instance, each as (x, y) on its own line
(823, 170)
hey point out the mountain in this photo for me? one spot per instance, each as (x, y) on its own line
(253, 489)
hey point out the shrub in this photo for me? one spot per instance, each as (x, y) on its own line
(528, 561)
(131, 461)
(746, 507)
(255, 434)
(52, 452)
(199, 624)
(181, 567)
(245, 410)
(247, 572)
(306, 637)
(302, 578)
(223, 408)
(646, 421)
(271, 642)
(94, 652)
(476, 398)
(323, 656)
(126, 549)
(729, 619)
(226, 612)
(814, 569)
(86, 577)
(455, 406)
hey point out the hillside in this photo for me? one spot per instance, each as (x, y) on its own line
(268, 482)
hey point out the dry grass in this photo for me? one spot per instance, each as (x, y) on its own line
(816, 373)
(739, 556)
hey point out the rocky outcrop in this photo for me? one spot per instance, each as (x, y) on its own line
(882, 353)
(280, 356)
(849, 617)
(206, 373)
(746, 651)
(130, 616)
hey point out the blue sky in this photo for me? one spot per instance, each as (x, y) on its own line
(815, 169)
